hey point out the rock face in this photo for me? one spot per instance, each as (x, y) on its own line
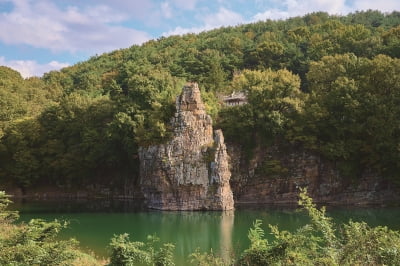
(292, 167)
(191, 171)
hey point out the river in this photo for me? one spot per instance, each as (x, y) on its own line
(93, 223)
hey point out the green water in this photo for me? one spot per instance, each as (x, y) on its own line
(94, 223)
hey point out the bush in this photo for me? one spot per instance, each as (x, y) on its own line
(365, 245)
(206, 259)
(318, 243)
(127, 253)
(36, 243)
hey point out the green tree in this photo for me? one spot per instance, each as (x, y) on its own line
(350, 115)
(128, 253)
(36, 243)
(273, 96)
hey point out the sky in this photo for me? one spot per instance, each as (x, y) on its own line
(37, 36)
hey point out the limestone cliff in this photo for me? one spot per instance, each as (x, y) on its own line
(274, 174)
(189, 172)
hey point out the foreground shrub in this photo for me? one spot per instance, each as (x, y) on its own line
(207, 259)
(365, 245)
(36, 243)
(318, 243)
(128, 253)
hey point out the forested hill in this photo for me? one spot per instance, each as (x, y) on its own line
(330, 84)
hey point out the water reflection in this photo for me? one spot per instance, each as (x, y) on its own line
(226, 229)
(76, 205)
(192, 230)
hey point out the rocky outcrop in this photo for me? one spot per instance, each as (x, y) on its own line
(274, 175)
(189, 172)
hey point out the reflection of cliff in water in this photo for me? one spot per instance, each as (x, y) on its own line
(208, 230)
(226, 225)
(76, 205)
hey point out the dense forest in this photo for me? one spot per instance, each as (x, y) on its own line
(329, 84)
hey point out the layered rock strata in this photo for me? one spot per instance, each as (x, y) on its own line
(191, 171)
(295, 168)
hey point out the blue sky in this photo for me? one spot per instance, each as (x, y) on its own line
(37, 36)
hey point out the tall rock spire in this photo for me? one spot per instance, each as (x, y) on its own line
(191, 171)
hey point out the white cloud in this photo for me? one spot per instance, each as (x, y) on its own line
(129, 8)
(180, 31)
(44, 25)
(166, 10)
(224, 17)
(301, 7)
(384, 6)
(271, 14)
(185, 4)
(293, 8)
(30, 68)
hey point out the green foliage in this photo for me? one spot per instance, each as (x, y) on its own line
(128, 253)
(206, 259)
(6, 216)
(329, 83)
(237, 123)
(36, 243)
(147, 94)
(366, 245)
(320, 223)
(352, 113)
(318, 243)
(274, 98)
(69, 143)
(211, 103)
(21, 98)
(272, 168)
(20, 150)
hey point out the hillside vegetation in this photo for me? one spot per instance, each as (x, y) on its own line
(330, 84)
